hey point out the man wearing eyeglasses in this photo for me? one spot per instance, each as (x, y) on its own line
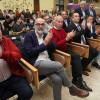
(37, 47)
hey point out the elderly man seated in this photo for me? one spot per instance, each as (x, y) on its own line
(37, 47)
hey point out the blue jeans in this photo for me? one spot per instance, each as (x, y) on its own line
(17, 85)
(96, 59)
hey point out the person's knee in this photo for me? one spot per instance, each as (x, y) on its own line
(28, 93)
(59, 65)
(76, 56)
(57, 81)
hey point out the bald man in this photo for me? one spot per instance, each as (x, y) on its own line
(60, 38)
(37, 47)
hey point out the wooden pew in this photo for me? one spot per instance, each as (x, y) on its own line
(81, 49)
(95, 43)
(30, 72)
(98, 37)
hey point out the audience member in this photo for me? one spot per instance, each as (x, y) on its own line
(8, 23)
(80, 37)
(93, 34)
(82, 11)
(19, 28)
(47, 24)
(12, 77)
(66, 21)
(37, 46)
(60, 38)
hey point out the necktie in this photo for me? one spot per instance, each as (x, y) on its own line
(79, 28)
(83, 12)
(82, 36)
(83, 39)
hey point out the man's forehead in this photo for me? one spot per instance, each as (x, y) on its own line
(75, 14)
(40, 21)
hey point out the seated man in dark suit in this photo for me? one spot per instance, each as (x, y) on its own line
(66, 21)
(82, 11)
(91, 11)
(80, 37)
(60, 38)
(93, 34)
(11, 76)
(37, 47)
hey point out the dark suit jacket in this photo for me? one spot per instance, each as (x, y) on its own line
(64, 25)
(94, 13)
(79, 11)
(77, 37)
(32, 47)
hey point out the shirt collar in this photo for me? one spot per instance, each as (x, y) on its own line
(56, 28)
(83, 9)
(76, 24)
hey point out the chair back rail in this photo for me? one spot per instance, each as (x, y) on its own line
(82, 50)
(95, 43)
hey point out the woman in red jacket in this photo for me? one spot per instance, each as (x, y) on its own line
(11, 76)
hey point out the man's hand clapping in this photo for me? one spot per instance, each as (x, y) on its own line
(48, 38)
(70, 35)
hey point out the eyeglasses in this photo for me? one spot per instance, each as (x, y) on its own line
(38, 24)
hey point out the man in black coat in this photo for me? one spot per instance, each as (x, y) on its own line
(82, 11)
(80, 37)
(66, 21)
(91, 11)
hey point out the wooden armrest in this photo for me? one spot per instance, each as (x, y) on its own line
(15, 33)
(95, 43)
(81, 49)
(34, 71)
(64, 58)
(98, 37)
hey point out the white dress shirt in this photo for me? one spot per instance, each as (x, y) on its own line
(43, 55)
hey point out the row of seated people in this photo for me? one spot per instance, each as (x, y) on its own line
(83, 12)
(13, 15)
(37, 48)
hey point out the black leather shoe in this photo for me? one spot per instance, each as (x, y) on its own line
(95, 65)
(82, 85)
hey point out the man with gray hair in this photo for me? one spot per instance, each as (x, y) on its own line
(37, 47)
(60, 38)
(47, 24)
(82, 11)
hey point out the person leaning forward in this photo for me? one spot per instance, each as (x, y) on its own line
(37, 46)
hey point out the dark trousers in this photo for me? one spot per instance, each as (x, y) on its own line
(92, 54)
(77, 68)
(17, 85)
